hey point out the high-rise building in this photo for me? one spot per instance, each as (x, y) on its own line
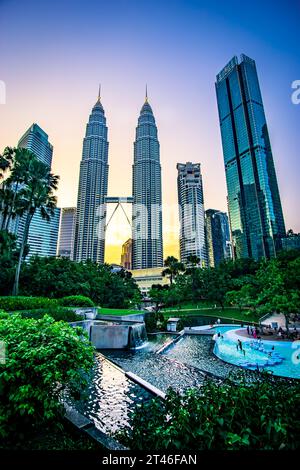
(191, 212)
(217, 237)
(147, 241)
(126, 256)
(255, 212)
(66, 232)
(89, 242)
(43, 235)
(36, 140)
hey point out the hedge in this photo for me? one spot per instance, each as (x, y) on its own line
(12, 304)
(58, 314)
(76, 301)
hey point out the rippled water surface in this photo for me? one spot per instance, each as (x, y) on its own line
(112, 397)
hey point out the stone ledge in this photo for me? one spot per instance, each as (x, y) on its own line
(84, 424)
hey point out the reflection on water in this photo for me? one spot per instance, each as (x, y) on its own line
(111, 397)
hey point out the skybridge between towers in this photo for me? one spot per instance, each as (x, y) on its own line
(119, 201)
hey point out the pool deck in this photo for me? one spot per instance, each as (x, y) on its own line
(273, 337)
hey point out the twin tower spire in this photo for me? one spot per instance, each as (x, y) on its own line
(99, 94)
(90, 227)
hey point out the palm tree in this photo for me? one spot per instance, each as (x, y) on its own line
(35, 194)
(17, 162)
(173, 267)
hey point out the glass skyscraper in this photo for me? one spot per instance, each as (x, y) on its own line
(43, 234)
(191, 212)
(147, 241)
(66, 232)
(217, 237)
(255, 212)
(89, 243)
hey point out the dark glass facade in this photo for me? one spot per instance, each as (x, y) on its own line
(255, 211)
(217, 237)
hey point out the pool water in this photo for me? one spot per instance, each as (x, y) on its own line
(281, 361)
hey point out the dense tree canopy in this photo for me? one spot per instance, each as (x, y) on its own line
(60, 277)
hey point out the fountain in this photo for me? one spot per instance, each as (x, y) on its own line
(137, 335)
(114, 334)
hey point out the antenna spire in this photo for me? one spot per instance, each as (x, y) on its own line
(146, 98)
(99, 92)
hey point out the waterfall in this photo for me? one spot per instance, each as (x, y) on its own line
(137, 335)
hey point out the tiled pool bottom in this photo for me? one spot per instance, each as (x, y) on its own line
(283, 360)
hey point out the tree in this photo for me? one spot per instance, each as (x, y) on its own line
(45, 359)
(36, 194)
(60, 277)
(173, 267)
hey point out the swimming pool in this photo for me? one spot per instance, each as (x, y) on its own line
(280, 358)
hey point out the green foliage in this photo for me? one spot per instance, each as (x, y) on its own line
(76, 301)
(57, 313)
(14, 303)
(44, 360)
(237, 414)
(173, 268)
(61, 277)
(3, 315)
(150, 319)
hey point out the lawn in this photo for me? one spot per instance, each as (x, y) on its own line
(227, 313)
(118, 311)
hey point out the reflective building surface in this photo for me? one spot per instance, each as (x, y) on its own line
(89, 242)
(43, 235)
(66, 232)
(255, 212)
(191, 212)
(147, 241)
(217, 237)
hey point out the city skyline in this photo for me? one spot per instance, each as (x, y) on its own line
(180, 76)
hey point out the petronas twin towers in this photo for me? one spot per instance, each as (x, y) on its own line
(90, 228)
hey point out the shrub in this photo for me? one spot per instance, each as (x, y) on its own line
(45, 359)
(238, 414)
(57, 313)
(76, 301)
(3, 315)
(11, 303)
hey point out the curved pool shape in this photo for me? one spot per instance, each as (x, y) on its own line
(282, 361)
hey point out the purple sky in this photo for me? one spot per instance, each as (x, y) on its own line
(54, 54)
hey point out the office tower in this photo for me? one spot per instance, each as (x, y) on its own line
(126, 256)
(255, 212)
(43, 235)
(147, 243)
(191, 212)
(66, 232)
(91, 207)
(217, 237)
(36, 140)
